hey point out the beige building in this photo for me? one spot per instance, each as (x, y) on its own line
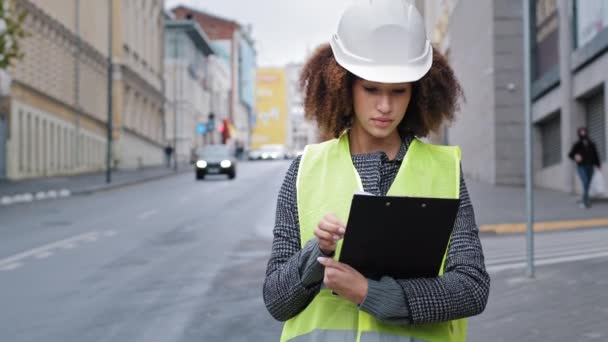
(138, 81)
(57, 107)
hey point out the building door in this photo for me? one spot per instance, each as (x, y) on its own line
(596, 123)
(3, 138)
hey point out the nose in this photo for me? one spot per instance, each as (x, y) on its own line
(384, 104)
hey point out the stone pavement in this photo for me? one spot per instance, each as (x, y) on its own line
(564, 302)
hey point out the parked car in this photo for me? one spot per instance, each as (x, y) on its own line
(215, 160)
(269, 152)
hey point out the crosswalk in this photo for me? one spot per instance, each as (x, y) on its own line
(510, 252)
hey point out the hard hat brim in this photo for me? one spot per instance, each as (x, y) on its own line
(409, 71)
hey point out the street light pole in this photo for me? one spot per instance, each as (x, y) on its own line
(110, 87)
(528, 136)
(175, 104)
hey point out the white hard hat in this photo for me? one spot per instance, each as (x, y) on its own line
(383, 41)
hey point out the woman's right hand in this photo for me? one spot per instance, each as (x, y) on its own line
(328, 232)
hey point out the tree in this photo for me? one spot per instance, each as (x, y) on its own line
(11, 33)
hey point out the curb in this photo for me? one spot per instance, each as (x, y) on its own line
(29, 197)
(113, 186)
(514, 228)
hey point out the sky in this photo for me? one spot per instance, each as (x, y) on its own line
(285, 31)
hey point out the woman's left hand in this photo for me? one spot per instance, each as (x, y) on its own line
(344, 280)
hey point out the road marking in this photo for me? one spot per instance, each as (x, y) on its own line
(147, 214)
(43, 255)
(509, 228)
(11, 267)
(551, 261)
(46, 251)
(68, 245)
(540, 255)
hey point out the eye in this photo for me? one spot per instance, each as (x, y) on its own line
(371, 90)
(399, 91)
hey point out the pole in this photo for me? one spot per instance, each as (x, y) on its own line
(528, 135)
(175, 72)
(76, 140)
(110, 87)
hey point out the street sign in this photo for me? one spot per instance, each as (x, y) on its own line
(201, 128)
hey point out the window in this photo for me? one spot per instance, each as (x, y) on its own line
(28, 129)
(45, 143)
(36, 139)
(591, 19)
(68, 148)
(551, 140)
(545, 53)
(52, 157)
(21, 142)
(596, 122)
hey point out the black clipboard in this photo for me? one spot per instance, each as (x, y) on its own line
(400, 237)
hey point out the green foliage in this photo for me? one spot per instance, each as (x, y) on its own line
(11, 33)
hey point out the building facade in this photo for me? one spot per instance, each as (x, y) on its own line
(569, 41)
(56, 108)
(188, 92)
(300, 131)
(237, 48)
(569, 82)
(486, 55)
(56, 111)
(138, 38)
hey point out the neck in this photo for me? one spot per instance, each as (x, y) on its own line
(361, 142)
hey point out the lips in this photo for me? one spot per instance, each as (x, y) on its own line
(381, 122)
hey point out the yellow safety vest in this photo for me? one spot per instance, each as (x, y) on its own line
(326, 182)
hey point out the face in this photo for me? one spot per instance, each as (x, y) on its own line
(379, 107)
(582, 132)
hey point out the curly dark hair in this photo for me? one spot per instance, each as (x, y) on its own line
(328, 95)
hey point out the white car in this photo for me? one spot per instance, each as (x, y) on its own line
(269, 152)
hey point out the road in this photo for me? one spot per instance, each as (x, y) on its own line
(176, 260)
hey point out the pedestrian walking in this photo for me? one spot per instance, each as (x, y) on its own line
(376, 88)
(584, 153)
(168, 154)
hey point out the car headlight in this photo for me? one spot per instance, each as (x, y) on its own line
(264, 155)
(275, 155)
(226, 164)
(201, 164)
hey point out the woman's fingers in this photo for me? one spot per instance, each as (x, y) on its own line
(332, 228)
(333, 219)
(324, 235)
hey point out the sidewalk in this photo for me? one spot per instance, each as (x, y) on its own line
(502, 209)
(565, 302)
(28, 190)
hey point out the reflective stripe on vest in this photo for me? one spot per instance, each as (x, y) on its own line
(326, 182)
(349, 336)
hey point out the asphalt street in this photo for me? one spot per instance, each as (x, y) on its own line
(180, 260)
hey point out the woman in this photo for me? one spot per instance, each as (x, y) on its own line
(373, 90)
(584, 153)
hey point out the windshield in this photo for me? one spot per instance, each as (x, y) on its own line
(220, 151)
